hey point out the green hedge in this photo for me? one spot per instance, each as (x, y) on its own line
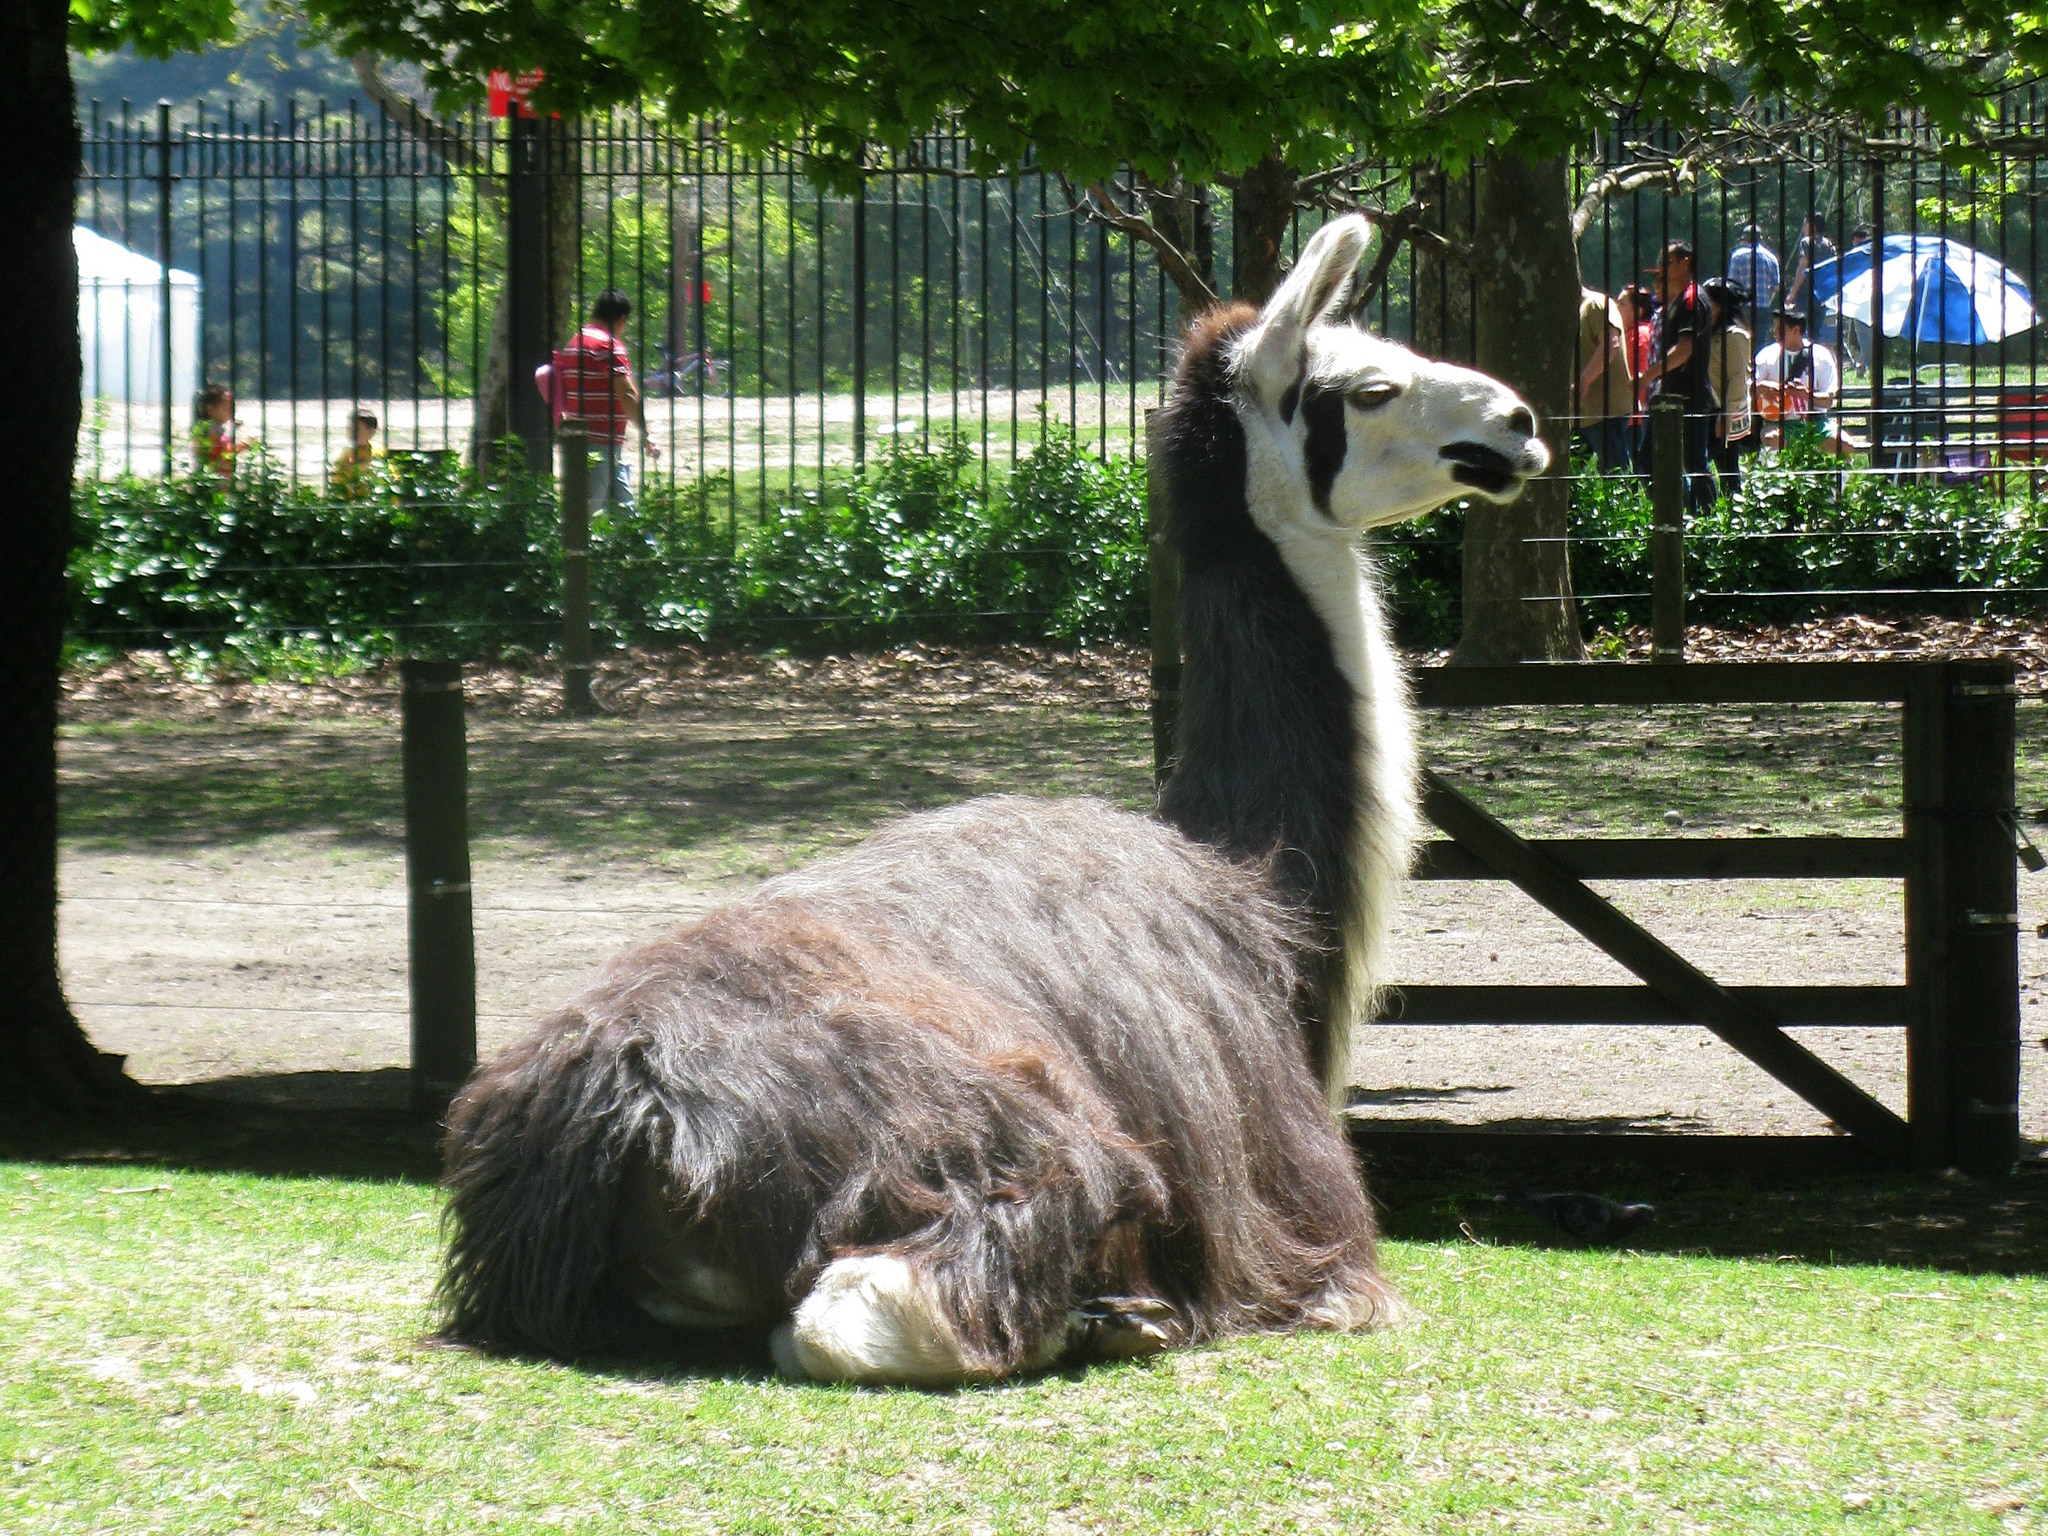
(1799, 532)
(427, 559)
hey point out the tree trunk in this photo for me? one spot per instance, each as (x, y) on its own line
(564, 182)
(1443, 288)
(1518, 602)
(1261, 209)
(45, 1058)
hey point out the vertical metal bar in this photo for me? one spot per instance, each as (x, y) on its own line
(1014, 357)
(860, 325)
(732, 357)
(163, 256)
(789, 307)
(1880, 455)
(824, 336)
(955, 234)
(986, 323)
(895, 298)
(761, 339)
(321, 165)
(1102, 336)
(924, 306)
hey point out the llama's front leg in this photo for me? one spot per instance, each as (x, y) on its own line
(877, 1320)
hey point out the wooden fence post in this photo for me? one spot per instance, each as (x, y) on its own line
(1962, 917)
(441, 939)
(575, 501)
(1667, 531)
(1164, 573)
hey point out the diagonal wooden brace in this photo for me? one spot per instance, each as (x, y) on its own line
(1735, 1019)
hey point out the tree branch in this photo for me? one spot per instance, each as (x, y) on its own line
(1623, 178)
(447, 142)
(1100, 204)
(1405, 223)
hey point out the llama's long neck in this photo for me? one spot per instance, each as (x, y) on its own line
(1295, 742)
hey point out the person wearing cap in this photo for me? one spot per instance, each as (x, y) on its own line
(1796, 384)
(1606, 395)
(1754, 267)
(1678, 371)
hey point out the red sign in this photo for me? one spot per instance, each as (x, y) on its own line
(505, 92)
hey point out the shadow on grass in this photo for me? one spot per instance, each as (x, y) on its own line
(357, 1126)
(632, 784)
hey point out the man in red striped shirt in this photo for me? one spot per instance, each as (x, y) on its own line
(593, 380)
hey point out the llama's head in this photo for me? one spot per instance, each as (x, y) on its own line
(1345, 430)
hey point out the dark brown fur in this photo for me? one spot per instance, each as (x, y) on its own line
(1040, 1049)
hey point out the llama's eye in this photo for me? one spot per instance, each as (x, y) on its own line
(1370, 397)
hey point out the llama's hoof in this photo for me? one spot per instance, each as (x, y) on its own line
(871, 1321)
(1121, 1327)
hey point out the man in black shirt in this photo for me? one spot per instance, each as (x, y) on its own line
(1678, 370)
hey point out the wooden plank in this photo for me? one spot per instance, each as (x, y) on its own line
(1690, 858)
(1628, 682)
(1982, 1030)
(1877, 1006)
(1737, 1020)
(1923, 765)
(1390, 1146)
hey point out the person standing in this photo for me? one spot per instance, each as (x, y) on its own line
(1678, 371)
(592, 379)
(1754, 268)
(1814, 248)
(1606, 396)
(1728, 376)
(1638, 312)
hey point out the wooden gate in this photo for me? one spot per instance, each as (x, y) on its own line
(1959, 1006)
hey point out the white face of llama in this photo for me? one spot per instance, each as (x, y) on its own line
(1345, 430)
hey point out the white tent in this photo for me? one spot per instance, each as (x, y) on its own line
(120, 324)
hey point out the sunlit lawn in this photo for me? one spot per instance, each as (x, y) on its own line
(199, 1352)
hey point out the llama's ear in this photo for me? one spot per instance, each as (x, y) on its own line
(1277, 356)
(1323, 273)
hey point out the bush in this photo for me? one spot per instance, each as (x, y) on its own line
(426, 558)
(1799, 532)
(923, 547)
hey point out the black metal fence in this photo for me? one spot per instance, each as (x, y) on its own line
(319, 261)
(333, 258)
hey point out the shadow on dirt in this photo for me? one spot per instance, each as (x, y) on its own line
(1759, 1201)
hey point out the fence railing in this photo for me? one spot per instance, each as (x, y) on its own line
(317, 260)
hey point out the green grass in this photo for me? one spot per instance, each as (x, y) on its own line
(208, 1351)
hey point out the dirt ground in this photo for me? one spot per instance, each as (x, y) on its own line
(233, 872)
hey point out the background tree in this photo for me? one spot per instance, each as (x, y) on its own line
(1141, 105)
(44, 1055)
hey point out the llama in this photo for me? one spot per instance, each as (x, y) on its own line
(1029, 1080)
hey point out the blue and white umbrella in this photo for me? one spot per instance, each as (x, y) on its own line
(1934, 290)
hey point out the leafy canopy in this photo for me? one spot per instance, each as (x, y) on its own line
(1205, 88)
(154, 28)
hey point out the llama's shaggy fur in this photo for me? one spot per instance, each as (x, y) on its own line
(1028, 1078)
(1040, 1049)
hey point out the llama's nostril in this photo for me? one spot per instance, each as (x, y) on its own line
(1523, 421)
